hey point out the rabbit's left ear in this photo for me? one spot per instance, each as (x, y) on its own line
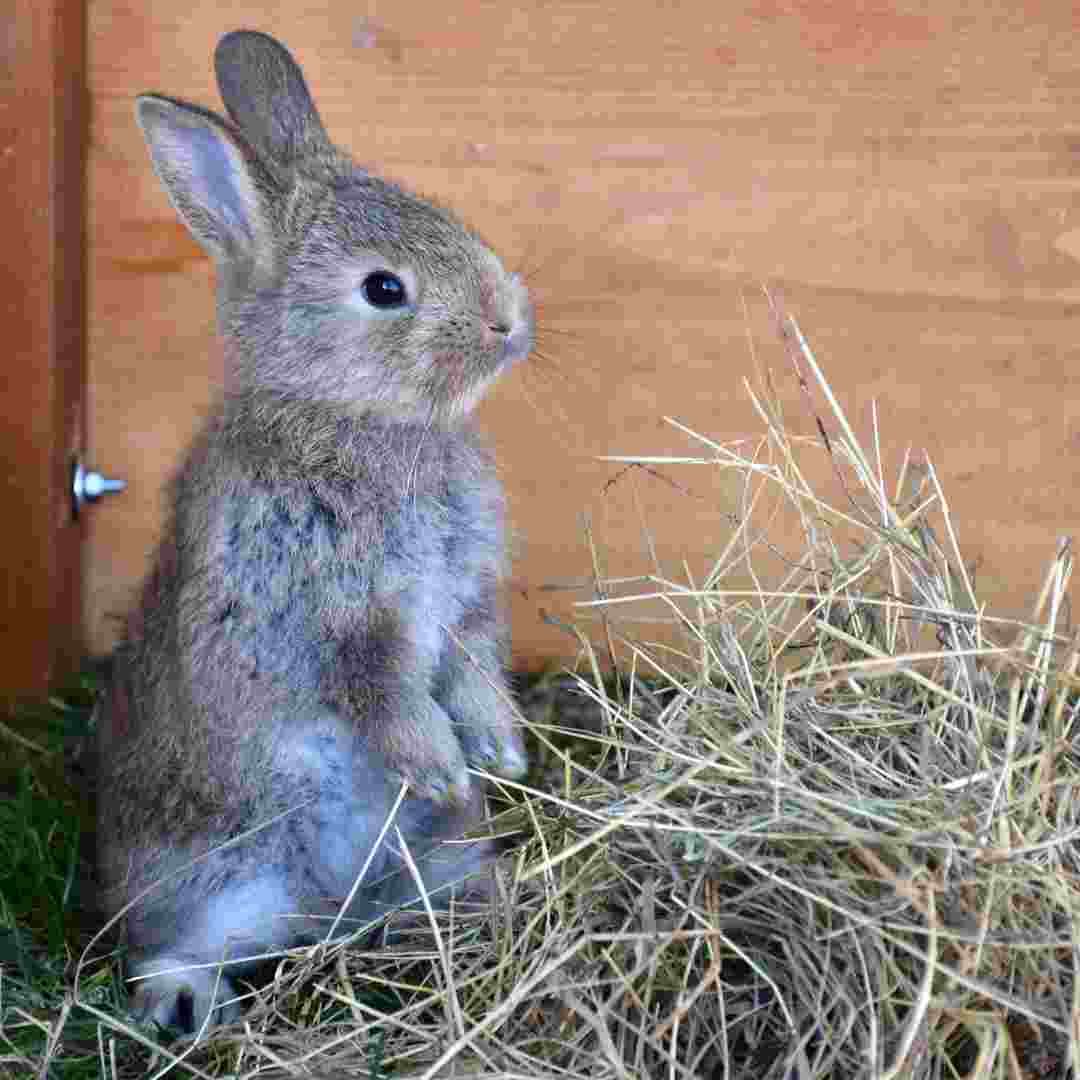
(264, 92)
(209, 174)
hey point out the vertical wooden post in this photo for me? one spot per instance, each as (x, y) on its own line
(43, 125)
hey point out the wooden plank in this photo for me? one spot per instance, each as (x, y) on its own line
(907, 176)
(42, 132)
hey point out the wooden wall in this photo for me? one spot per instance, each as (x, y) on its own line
(907, 175)
(42, 328)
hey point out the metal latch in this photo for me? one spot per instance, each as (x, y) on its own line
(89, 486)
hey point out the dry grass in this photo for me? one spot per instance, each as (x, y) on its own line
(831, 835)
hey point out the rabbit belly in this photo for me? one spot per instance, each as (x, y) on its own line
(288, 882)
(348, 839)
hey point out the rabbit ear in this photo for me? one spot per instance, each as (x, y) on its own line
(264, 92)
(208, 173)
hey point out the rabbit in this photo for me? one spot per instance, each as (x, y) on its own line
(322, 622)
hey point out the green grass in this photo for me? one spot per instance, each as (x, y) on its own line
(44, 818)
(40, 829)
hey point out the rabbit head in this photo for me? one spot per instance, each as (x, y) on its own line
(334, 287)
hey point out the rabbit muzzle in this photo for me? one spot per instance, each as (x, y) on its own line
(516, 344)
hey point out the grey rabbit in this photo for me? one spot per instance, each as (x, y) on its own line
(322, 622)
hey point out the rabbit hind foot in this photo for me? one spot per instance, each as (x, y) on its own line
(172, 992)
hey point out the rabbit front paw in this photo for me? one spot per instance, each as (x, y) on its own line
(484, 721)
(424, 752)
(499, 752)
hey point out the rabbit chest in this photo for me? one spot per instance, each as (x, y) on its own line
(307, 574)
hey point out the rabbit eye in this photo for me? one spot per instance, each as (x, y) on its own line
(384, 290)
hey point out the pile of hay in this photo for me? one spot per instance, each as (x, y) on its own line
(831, 836)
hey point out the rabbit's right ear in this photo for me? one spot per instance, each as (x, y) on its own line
(266, 96)
(208, 172)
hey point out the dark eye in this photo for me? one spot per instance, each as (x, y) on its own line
(384, 290)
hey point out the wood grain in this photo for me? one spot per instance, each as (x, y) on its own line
(907, 176)
(42, 134)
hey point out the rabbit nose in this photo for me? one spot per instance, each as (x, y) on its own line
(516, 343)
